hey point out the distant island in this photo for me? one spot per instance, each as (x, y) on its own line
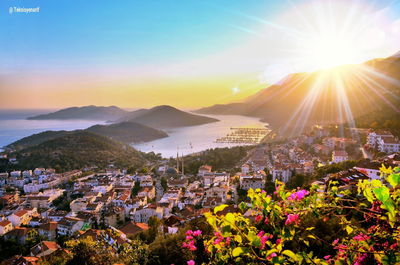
(126, 132)
(165, 116)
(158, 117)
(84, 113)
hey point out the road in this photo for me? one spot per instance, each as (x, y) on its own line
(365, 153)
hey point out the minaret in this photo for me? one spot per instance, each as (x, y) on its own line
(183, 167)
(177, 161)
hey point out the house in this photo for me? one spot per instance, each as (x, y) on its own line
(281, 173)
(172, 223)
(20, 260)
(5, 227)
(15, 174)
(149, 192)
(132, 228)
(253, 182)
(373, 136)
(203, 170)
(339, 156)
(69, 225)
(146, 181)
(48, 230)
(43, 200)
(114, 215)
(27, 173)
(19, 234)
(44, 248)
(178, 183)
(19, 217)
(388, 144)
(217, 191)
(214, 178)
(143, 214)
(245, 169)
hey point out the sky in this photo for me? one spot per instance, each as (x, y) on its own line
(185, 53)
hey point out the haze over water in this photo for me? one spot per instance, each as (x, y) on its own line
(193, 139)
(185, 140)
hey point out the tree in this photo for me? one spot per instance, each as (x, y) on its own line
(164, 183)
(88, 252)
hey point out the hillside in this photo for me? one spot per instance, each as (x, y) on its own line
(323, 96)
(84, 113)
(77, 150)
(167, 117)
(36, 139)
(128, 132)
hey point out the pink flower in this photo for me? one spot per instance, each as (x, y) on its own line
(266, 221)
(189, 237)
(278, 241)
(327, 257)
(361, 237)
(335, 241)
(189, 232)
(228, 241)
(263, 240)
(259, 218)
(292, 218)
(298, 196)
(261, 233)
(191, 262)
(197, 233)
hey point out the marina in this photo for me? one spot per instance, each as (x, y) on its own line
(244, 135)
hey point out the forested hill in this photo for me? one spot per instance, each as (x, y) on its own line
(77, 150)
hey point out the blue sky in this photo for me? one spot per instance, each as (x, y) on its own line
(135, 53)
(81, 33)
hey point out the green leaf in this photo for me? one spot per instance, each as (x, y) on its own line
(382, 193)
(230, 217)
(242, 206)
(349, 230)
(290, 254)
(394, 180)
(237, 251)
(256, 242)
(220, 208)
(238, 239)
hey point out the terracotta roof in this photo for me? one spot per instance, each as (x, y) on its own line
(133, 228)
(4, 223)
(20, 213)
(50, 226)
(18, 232)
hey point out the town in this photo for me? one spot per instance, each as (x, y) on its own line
(118, 206)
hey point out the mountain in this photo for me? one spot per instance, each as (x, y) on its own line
(166, 117)
(79, 149)
(128, 132)
(36, 139)
(325, 96)
(84, 113)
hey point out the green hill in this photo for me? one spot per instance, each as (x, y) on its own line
(77, 150)
(167, 117)
(128, 132)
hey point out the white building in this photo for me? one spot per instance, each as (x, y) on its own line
(372, 138)
(388, 144)
(253, 182)
(339, 156)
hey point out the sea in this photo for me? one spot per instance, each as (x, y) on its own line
(184, 140)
